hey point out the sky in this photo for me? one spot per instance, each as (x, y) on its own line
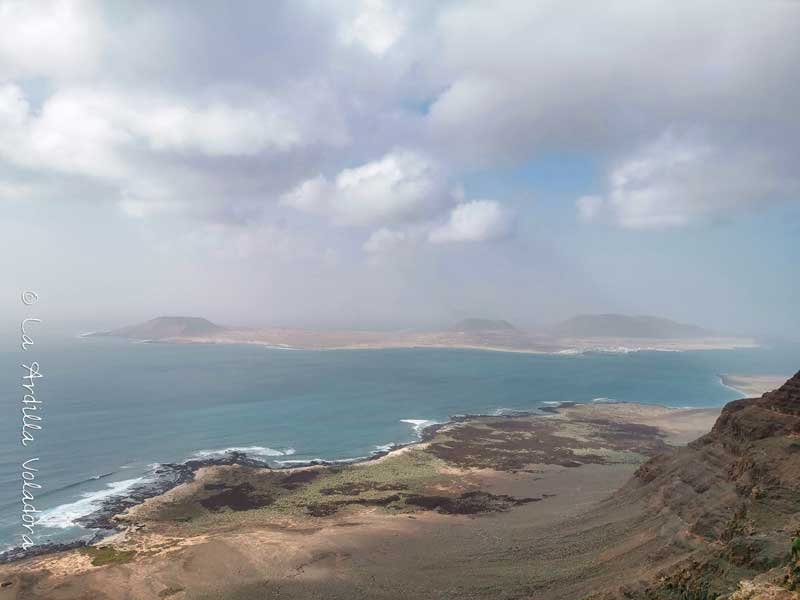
(378, 164)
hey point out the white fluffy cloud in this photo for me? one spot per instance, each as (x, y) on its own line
(87, 130)
(155, 153)
(57, 38)
(401, 186)
(475, 221)
(675, 181)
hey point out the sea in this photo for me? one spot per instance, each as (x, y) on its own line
(112, 409)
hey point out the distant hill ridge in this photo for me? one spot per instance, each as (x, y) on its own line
(483, 325)
(625, 326)
(167, 327)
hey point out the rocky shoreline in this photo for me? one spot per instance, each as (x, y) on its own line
(171, 475)
(167, 476)
(469, 500)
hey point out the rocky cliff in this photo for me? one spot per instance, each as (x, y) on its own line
(726, 508)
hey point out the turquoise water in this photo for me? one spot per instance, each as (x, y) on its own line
(113, 408)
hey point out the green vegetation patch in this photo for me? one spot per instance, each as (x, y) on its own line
(108, 555)
(378, 483)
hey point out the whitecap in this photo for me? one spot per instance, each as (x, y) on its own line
(327, 461)
(350, 460)
(300, 462)
(418, 424)
(65, 515)
(249, 450)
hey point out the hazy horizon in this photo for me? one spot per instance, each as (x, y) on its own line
(54, 325)
(380, 164)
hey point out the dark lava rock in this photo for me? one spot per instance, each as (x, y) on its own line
(298, 478)
(50, 548)
(326, 509)
(238, 497)
(167, 476)
(468, 503)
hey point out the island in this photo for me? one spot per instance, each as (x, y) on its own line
(575, 336)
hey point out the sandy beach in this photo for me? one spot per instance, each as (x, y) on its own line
(752, 385)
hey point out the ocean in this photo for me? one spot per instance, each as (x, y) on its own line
(113, 409)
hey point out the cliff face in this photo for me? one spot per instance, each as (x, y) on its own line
(728, 505)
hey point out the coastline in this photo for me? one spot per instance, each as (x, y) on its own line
(100, 523)
(103, 522)
(750, 385)
(464, 486)
(446, 341)
(57, 529)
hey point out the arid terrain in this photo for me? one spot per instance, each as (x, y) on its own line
(586, 501)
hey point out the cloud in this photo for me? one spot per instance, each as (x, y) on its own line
(87, 130)
(218, 129)
(678, 180)
(527, 76)
(370, 111)
(377, 25)
(385, 240)
(56, 38)
(475, 221)
(156, 153)
(140, 100)
(185, 124)
(401, 186)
